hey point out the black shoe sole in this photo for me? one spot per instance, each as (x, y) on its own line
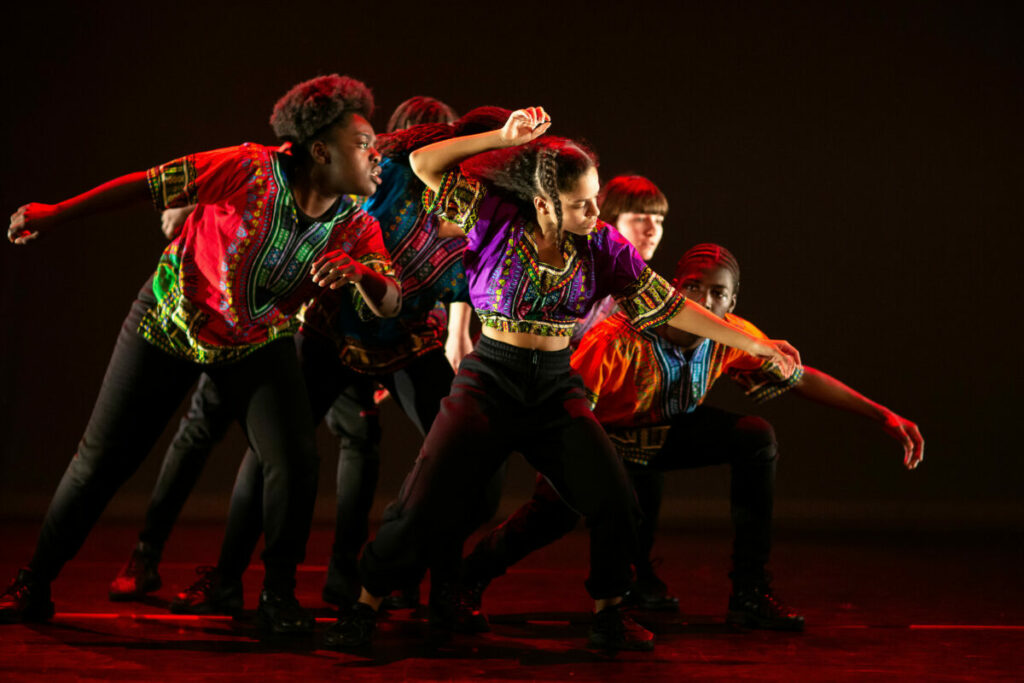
(135, 595)
(268, 626)
(752, 621)
(231, 609)
(333, 642)
(620, 646)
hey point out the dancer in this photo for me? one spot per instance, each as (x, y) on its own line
(339, 348)
(223, 301)
(353, 415)
(648, 387)
(537, 259)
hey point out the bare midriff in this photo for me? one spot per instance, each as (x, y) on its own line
(525, 340)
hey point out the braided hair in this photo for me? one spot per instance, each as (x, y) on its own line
(417, 110)
(708, 255)
(545, 166)
(397, 145)
(307, 111)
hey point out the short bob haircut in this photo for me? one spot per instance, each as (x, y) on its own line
(630, 194)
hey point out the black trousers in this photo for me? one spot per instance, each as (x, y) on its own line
(418, 388)
(508, 399)
(141, 390)
(707, 436)
(352, 416)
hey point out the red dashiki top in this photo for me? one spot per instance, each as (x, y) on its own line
(238, 273)
(636, 377)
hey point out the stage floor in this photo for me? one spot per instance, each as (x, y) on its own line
(879, 606)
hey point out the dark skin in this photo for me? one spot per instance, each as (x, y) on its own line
(713, 286)
(340, 161)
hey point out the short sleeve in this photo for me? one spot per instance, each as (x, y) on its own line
(650, 300)
(206, 177)
(645, 297)
(457, 201)
(760, 380)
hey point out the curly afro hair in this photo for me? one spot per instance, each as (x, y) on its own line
(312, 106)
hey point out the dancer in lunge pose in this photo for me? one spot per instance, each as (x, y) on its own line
(343, 351)
(375, 347)
(272, 228)
(648, 387)
(537, 259)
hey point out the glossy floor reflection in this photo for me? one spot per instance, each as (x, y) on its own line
(900, 605)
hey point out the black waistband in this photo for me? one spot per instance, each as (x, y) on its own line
(546, 362)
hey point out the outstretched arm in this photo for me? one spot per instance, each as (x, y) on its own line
(696, 319)
(31, 219)
(430, 163)
(827, 390)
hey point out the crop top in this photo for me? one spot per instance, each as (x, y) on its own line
(513, 291)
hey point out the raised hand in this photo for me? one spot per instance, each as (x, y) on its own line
(524, 125)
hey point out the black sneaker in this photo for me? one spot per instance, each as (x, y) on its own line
(651, 594)
(282, 614)
(353, 630)
(136, 578)
(442, 611)
(613, 631)
(25, 600)
(755, 606)
(469, 617)
(407, 598)
(210, 594)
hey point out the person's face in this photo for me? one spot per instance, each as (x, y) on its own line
(643, 230)
(579, 204)
(711, 286)
(351, 163)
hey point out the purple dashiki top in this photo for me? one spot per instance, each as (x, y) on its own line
(513, 291)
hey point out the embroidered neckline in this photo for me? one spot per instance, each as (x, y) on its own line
(545, 277)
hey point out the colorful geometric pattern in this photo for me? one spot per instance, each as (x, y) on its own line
(429, 270)
(513, 291)
(237, 274)
(636, 379)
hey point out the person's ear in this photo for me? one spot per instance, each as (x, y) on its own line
(541, 205)
(732, 303)
(318, 150)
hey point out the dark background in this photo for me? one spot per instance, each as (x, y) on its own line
(863, 161)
